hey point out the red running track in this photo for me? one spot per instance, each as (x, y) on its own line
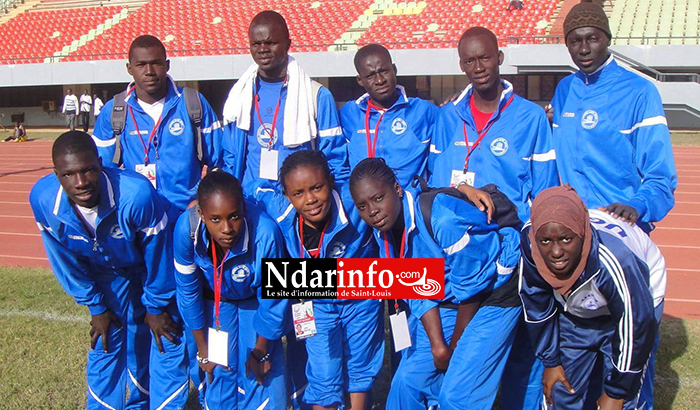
(678, 235)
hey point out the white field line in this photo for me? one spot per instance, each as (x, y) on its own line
(38, 314)
(20, 234)
(678, 246)
(682, 300)
(683, 270)
(34, 258)
(17, 216)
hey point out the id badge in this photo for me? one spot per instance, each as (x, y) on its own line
(304, 320)
(218, 346)
(269, 166)
(399, 331)
(459, 177)
(149, 171)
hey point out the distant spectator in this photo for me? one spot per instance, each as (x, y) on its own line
(70, 109)
(18, 135)
(515, 4)
(549, 110)
(85, 108)
(97, 104)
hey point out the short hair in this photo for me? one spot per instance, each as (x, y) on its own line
(305, 158)
(269, 17)
(375, 168)
(478, 32)
(368, 50)
(218, 181)
(146, 41)
(73, 142)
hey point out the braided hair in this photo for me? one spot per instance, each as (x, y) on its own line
(305, 158)
(218, 181)
(375, 168)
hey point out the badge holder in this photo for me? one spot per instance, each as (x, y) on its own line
(218, 346)
(399, 329)
(149, 171)
(304, 320)
(461, 177)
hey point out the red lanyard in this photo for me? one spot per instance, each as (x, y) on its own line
(146, 148)
(218, 279)
(482, 134)
(270, 132)
(314, 254)
(403, 244)
(372, 147)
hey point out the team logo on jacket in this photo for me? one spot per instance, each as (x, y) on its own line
(398, 126)
(116, 232)
(240, 273)
(589, 119)
(499, 146)
(337, 250)
(590, 302)
(263, 135)
(176, 126)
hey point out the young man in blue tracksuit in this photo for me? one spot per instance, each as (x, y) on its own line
(473, 327)
(219, 248)
(385, 122)
(589, 305)
(275, 109)
(610, 132)
(105, 233)
(490, 135)
(160, 140)
(319, 220)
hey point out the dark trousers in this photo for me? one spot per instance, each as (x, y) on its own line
(85, 119)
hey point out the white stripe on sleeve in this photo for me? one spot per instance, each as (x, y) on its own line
(625, 326)
(156, 229)
(658, 120)
(185, 269)
(330, 132)
(104, 143)
(459, 245)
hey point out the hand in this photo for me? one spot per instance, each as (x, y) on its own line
(479, 198)
(550, 376)
(99, 326)
(208, 367)
(624, 212)
(259, 369)
(162, 325)
(605, 402)
(441, 357)
(453, 97)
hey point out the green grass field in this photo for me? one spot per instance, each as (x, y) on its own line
(45, 340)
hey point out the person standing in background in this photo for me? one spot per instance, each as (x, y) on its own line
(70, 108)
(85, 108)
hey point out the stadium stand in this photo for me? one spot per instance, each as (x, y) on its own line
(655, 21)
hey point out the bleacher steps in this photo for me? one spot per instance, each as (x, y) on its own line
(21, 8)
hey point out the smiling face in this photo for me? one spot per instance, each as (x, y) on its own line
(309, 191)
(379, 203)
(223, 216)
(79, 175)
(377, 75)
(588, 48)
(149, 67)
(269, 45)
(479, 59)
(560, 248)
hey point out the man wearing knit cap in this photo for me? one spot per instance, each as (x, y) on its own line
(611, 137)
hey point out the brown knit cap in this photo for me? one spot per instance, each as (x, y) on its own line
(586, 14)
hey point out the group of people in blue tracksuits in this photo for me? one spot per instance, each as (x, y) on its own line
(159, 222)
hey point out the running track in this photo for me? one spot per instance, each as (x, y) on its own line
(678, 235)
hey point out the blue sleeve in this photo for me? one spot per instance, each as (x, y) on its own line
(103, 135)
(439, 140)
(331, 138)
(188, 276)
(543, 164)
(233, 150)
(560, 94)
(271, 316)
(540, 309)
(419, 307)
(654, 158)
(631, 305)
(212, 136)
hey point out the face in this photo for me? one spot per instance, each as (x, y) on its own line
(149, 67)
(479, 59)
(268, 47)
(69, 92)
(377, 75)
(560, 248)
(224, 218)
(379, 203)
(79, 175)
(309, 191)
(588, 48)
(85, 92)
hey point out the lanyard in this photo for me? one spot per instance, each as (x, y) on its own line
(482, 134)
(372, 147)
(146, 148)
(270, 132)
(218, 279)
(403, 244)
(301, 239)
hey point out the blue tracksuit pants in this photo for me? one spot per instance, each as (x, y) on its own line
(522, 375)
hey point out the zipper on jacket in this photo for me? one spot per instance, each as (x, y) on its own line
(94, 244)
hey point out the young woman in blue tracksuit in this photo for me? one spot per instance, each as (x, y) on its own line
(589, 306)
(319, 221)
(472, 328)
(218, 256)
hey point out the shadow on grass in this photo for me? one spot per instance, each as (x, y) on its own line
(674, 342)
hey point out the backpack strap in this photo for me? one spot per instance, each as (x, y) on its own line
(315, 88)
(194, 109)
(194, 221)
(118, 122)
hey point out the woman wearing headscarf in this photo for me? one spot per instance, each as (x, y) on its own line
(588, 305)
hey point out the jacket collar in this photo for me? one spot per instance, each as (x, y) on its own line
(63, 206)
(600, 73)
(363, 101)
(593, 262)
(462, 102)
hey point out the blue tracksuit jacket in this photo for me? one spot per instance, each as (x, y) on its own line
(173, 150)
(516, 154)
(405, 133)
(244, 163)
(612, 141)
(613, 289)
(131, 239)
(478, 256)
